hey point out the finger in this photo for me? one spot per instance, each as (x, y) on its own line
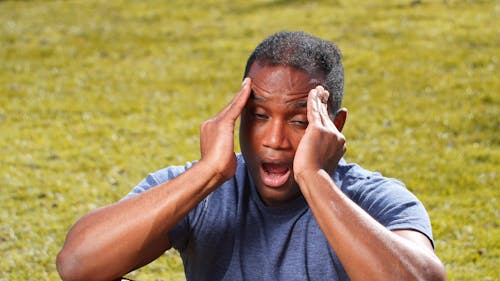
(234, 108)
(323, 107)
(313, 115)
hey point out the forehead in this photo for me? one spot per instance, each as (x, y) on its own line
(282, 81)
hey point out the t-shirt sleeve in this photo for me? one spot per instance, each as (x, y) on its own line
(158, 177)
(391, 204)
(178, 235)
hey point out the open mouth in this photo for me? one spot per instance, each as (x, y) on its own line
(275, 174)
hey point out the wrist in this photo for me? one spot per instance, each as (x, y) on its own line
(305, 175)
(312, 183)
(216, 176)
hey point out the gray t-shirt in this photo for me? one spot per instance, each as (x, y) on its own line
(232, 235)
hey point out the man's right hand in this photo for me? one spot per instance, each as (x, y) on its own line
(217, 136)
(139, 224)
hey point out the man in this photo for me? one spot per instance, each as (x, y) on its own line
(288, 208)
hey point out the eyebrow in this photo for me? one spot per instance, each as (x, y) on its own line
(297, 104)
(255, 98)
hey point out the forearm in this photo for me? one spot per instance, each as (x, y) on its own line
(116, 239)
(367, 250)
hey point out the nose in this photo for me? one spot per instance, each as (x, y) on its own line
(276, 136)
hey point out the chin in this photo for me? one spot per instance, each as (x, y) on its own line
(273, 196)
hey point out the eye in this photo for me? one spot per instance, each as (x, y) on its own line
(301, 122)
(260, 116)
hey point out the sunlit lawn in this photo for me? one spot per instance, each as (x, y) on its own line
(96, 94)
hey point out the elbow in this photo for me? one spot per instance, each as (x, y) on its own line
(434, 271)
(429, 270)
(65, 266)
(73, 265)
(439, 272)
(68, 267)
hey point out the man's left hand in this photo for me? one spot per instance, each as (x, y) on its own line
(322, 145)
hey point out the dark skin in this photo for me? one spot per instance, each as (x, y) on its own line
(290, 145)
(272, 125)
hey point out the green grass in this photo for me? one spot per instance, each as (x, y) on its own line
(96, 94)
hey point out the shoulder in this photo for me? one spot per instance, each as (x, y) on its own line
(168, 173)
(160, 176)
(385, 199)
(353, 179)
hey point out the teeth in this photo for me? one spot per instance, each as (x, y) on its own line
(275, 168)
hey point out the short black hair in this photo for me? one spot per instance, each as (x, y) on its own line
(307, 53)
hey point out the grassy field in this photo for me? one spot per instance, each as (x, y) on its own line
(96, 94)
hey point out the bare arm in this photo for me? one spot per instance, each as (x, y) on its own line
(121, 237)
(367, 250)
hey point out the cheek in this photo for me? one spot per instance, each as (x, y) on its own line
(295, 135)
(247, 132)
(252, 132)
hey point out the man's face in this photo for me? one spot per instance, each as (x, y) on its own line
(272, 125)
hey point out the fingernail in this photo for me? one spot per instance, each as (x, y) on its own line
(324, 98)
(244, 82)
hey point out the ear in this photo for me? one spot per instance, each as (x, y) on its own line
(340, 118)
